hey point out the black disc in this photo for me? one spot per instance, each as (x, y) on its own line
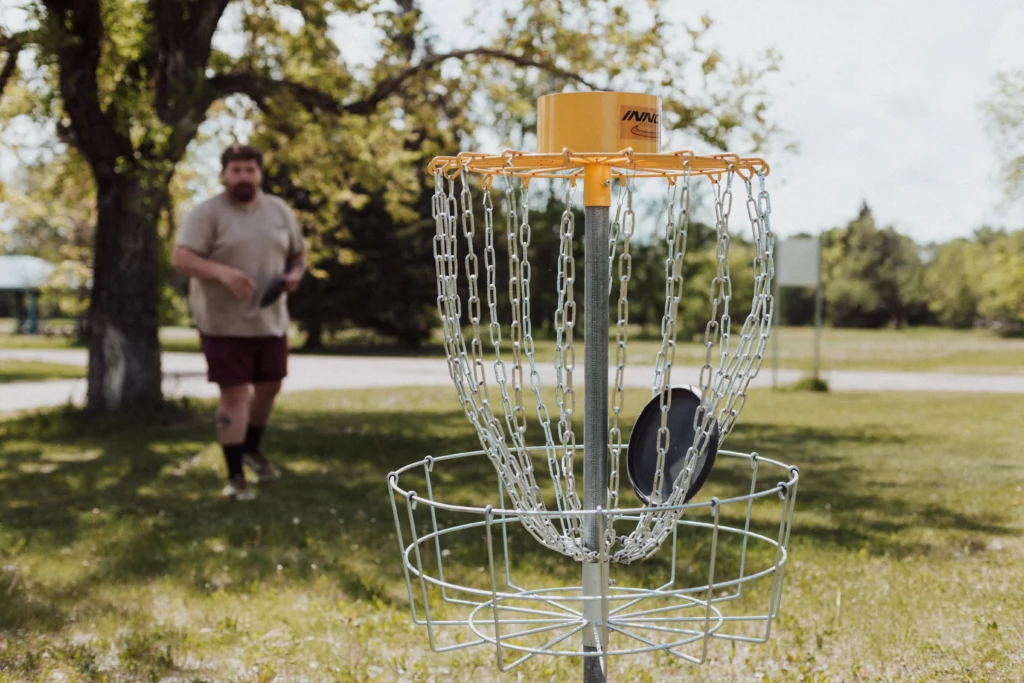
(274, 290)
(642, 456)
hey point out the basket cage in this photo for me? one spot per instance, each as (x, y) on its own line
(702, 569)
(473, 575)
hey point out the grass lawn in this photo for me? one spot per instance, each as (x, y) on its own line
(33, 371)
(119, 560)
(925, 349)
(913, 349)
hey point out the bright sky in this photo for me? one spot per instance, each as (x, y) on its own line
(883, 98)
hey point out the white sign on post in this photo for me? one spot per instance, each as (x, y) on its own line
(796, 262)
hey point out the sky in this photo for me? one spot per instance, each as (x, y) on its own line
(882, 98)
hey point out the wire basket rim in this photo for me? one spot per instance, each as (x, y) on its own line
(625, 164)
(410, 495)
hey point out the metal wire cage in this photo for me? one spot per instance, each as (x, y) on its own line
(474, 577)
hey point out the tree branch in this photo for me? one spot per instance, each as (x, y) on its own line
(261, 88)
(96, 134)
(181, 51)
(13, 48)
(392, 85)
(13, 45)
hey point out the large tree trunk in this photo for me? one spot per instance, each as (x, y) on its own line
(124, 344)
(314, 329)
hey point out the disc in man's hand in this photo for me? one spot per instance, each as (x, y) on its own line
(273, 291)
(642, 458)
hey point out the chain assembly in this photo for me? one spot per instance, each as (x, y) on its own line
(518, 376)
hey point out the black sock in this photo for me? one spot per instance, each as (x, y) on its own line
(253, 435)
(233, 457)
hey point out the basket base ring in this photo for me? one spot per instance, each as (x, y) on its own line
(628, 618)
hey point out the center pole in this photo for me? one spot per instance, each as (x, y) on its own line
(597, 200)
(596, 123)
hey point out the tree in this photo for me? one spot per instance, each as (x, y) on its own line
(128, 83)
(952, 284)
(1006, 116)
(872, 275)
(50, 209)
(383, 227)
(1001, 283)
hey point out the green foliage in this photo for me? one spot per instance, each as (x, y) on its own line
(872, 277)
(357, 177)
(951, 280)
(51, 210)
(876, 277)
(811, 384)
(1006, 117)
(1000, 283)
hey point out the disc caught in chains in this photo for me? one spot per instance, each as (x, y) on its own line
(642, 456)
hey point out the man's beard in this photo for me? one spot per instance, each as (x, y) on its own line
(242, 193)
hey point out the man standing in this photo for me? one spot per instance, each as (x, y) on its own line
(236, 247)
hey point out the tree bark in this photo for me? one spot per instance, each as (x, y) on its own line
(124, 344)
(314, 329)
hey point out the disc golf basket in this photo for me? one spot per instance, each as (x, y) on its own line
(463, 556)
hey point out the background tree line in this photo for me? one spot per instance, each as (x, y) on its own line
(876, 277)
(130, 93)
(384, 279)
(127, 89)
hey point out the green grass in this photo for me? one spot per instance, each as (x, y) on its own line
(912, 349)
(33, 371)
(119, 561)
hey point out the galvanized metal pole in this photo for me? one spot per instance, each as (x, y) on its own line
(818, 296)
(776, 324)
(595, 434)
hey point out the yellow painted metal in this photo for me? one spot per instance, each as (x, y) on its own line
(622, 164)
(599, 122)
(597, 185)
(597, 137)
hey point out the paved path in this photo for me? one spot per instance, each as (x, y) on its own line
(185, 376)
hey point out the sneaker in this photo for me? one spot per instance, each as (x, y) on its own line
(262, 467)
(237, 488)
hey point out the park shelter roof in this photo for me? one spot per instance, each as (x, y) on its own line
(23, 272)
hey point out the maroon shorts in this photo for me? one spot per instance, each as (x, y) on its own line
(244, 360)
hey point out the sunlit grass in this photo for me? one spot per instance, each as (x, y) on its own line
(33, 371)
(925, 349)
(118, 556)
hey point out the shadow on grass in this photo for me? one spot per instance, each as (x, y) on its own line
(865, 510)
(138, 499)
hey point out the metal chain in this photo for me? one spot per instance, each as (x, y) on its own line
(565, 351)
(668, 342)
(521, 486)
(626, 229)
(515, 415)
(745, 365)
(528, 347)
(723, 389)
(472, 277)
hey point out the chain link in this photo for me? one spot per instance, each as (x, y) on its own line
(565, 350)
(520, 483)
(625, 229)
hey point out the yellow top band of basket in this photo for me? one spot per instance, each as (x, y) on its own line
(595, 122)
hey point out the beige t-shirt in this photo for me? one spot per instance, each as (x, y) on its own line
(258, 240)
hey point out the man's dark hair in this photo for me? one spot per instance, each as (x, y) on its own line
(238, 152)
